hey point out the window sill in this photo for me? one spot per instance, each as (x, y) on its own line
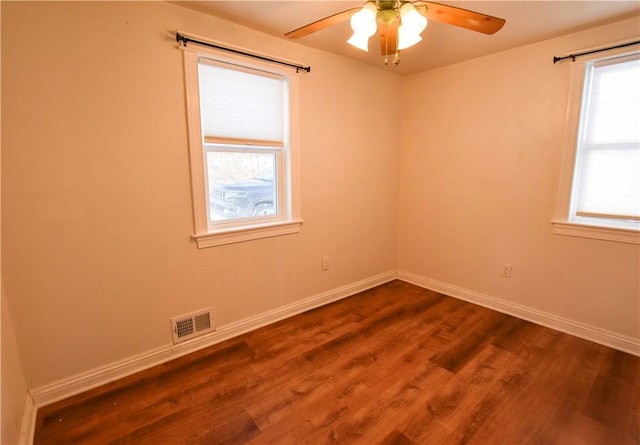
(596, 232)
(247, 233)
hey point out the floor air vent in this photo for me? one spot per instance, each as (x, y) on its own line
(191, 325)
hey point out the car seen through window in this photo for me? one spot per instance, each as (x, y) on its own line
(243, 198)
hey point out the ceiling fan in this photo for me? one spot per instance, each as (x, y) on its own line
(399, 23)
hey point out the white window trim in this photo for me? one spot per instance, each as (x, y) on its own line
(562, 224)
(255, 228)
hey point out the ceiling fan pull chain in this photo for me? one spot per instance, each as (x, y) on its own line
(386, 49)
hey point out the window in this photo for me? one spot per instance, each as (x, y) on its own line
(602, 151)
(242, 135)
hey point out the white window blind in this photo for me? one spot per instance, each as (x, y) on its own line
(607, 175)
(240, 104)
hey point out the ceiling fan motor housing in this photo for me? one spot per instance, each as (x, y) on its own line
(387, 17)
(387, 12)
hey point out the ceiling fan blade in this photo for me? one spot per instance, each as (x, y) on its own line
(463, 18)
(388, 38)
(321, 24)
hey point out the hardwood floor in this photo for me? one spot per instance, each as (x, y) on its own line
(397, 364)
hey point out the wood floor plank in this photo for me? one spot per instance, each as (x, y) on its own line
(143, 400)
(357, 376)
(616, 385)
(395, 437)
(397, 364)
(461, 404)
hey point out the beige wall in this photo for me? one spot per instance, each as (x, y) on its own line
(97, 217)
(96, 248)
(13, 387)
(480, 166)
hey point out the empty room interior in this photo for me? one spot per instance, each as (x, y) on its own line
(423, 211)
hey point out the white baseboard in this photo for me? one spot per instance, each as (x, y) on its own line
(76, 384)
(28, 425)
(578, 329)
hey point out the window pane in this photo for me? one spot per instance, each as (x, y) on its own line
(607, 182)
(241, 185)
(614, 104)
(241, 104)
(610, 182)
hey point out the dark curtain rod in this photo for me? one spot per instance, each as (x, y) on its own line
(573, 56)
(185, 40)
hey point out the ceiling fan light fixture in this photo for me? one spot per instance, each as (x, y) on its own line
(364, 21)
(412, 19)
(412, 24)
(364, 26)
(407, 37)
(360, 41)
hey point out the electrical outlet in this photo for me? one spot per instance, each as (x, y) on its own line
(325, 263)
(506, 270)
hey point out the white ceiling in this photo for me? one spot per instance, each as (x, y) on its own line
(526, 22)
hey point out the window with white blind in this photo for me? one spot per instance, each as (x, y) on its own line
(242, 118)
(603, 150)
